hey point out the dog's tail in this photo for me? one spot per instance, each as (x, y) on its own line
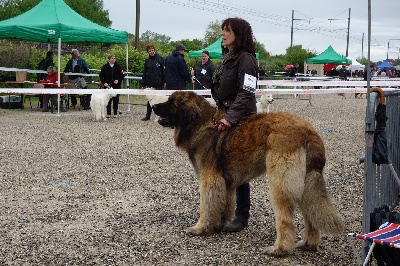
(316, 205)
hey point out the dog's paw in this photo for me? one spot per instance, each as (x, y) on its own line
(196, 231)
(275, 252)
(305, 246)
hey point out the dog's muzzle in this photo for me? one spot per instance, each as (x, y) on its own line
(167, 122)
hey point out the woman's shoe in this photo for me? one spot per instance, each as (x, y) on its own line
(238, 224)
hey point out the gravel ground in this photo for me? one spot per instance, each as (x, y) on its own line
(77, 192)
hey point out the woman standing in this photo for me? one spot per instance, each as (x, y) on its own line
(233, 89)
(153, 74)
(203, 72)
(111, 75)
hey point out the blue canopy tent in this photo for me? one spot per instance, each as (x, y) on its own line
(384, 64)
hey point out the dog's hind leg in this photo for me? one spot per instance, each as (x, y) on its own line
(286, 182)
(217, 204)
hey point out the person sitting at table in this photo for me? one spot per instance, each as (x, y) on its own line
(52, 78)
(80, 83)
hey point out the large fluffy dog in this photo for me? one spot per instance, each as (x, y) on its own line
(98, 105)
(284, 146)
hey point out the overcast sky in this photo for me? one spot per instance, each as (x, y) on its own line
(317, 24)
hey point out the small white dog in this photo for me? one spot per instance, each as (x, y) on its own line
(263, 105)
(98, 104)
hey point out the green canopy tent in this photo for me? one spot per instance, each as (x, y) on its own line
(53, 21)
(329, 56)
(214, 49)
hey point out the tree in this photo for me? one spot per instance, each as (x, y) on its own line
(260, 49)
(12, 8)
(95, 13)
(363, 61)
(297, 55)
(212, 32)
(160, 41)
(155, 38)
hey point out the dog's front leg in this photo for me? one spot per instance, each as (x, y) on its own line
(215, 205)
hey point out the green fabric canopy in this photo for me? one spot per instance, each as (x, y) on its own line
(329, 56)
(214, 49)
(53, 19)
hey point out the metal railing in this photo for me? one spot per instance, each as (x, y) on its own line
(380, 185)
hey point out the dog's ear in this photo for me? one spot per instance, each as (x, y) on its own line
(188, 109)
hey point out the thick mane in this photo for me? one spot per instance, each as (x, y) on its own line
(194, 113)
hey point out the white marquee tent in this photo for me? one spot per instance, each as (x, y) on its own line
(355, 65)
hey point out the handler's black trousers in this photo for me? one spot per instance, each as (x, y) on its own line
(243, 200)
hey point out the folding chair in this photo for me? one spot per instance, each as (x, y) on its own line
(39, 96)
(388, 234)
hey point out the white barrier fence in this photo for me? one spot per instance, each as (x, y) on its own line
(297, 87)
(169, 92)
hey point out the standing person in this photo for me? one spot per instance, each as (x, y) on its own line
(294, 71)
(365, 76)
(203, 72)
(343, 73)
(70, 66)
(308, 71)
(233, 89)
(176, 70)
(111, 75)
(261, 73)
(80, 83)
(153, 74)
(44, 64)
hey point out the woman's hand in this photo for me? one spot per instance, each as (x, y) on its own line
(223, 124)
(116, 81)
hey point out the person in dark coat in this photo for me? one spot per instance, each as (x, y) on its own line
(176, 70)
(70, 66)
(112, 75)
(343, 73)
(233, 89)
(203, 72)
(153, 74)
(294, 70)
(44, 65)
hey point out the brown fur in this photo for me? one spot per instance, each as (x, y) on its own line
(283, 146)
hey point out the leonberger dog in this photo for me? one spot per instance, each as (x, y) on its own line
(285, 147)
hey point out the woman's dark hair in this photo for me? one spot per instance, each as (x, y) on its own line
(49, 53)
(244, 40)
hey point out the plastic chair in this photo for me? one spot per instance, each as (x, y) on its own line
(39, 96)
(388, 234)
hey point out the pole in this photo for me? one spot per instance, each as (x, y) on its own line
(387, 53)
(291, 31)
(362, 46)
(348, 34)
(369, 128)
(137, 24)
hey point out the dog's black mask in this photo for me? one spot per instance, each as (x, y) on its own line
(163, 110)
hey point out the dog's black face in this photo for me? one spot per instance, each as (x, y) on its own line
(167, 112)
(175, 112)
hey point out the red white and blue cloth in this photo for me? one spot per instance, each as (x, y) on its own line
(388, 234)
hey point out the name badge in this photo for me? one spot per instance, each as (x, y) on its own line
(250, 83)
